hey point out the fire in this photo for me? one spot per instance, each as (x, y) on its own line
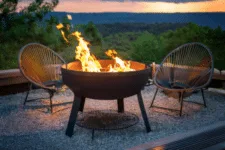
(59, 27)
(88, 61)
(120, 65)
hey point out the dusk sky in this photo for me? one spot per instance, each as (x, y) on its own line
(141, 6)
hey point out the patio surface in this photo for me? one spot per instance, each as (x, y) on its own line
(34, 127)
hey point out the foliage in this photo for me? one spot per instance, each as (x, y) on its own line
(156, 28)
(92, 34)
(121, 41)
(20, 28)
(147, 47)
(68, 53)
(212, 38)
(135, 41)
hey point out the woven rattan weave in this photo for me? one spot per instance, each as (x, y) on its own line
(186, 69)
(42, 67)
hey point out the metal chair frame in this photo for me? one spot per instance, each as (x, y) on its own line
(198, 83)
(51, 57)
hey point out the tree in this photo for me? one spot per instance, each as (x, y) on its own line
(148, 48)
(28, 15)
(28, 18)
(19, 28)
(51, 22)
(92, 34)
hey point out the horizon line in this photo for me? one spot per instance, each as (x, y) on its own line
(141, 12)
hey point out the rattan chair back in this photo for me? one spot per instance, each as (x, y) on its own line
(40, 65)
(188, 67)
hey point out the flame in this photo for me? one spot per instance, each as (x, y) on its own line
(120, 65)
(88, 61)
(59, 26)
(64, 37)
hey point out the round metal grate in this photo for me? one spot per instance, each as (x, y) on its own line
(106, 120)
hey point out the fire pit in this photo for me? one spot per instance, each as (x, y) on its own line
(104, 86)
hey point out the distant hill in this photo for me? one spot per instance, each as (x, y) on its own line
(212, 20)
(155, 28)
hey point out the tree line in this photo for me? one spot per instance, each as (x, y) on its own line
(135, 41)
(148, 47)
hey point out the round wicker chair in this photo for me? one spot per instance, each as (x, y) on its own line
(184, 70)
(42, 67)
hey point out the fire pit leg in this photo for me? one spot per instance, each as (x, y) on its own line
(143, 112)
(82, 104)
(73, 116)
(120, 104)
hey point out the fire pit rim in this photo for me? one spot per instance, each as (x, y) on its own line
(85, 73)
(105, 85)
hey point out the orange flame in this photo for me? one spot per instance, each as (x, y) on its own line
(59, 27)
(120, 66)
(88, 61)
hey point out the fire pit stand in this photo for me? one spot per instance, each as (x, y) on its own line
(78, 105)
(104, 86)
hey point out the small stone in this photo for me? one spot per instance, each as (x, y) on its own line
(223, 72)
(216, 90)
(217, 71)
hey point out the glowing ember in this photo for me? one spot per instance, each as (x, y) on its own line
(88, 61)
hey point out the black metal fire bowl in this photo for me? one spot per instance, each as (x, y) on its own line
(104, 86)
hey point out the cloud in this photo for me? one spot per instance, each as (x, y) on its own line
(169, 1)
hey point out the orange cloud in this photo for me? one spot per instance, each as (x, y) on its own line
(138, 6)
(98, 6)
(213, 6)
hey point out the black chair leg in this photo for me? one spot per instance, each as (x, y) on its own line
(203, 97)
(26, 97)
(181, 101)
(154, 97)
(30, 87)
(51, 95)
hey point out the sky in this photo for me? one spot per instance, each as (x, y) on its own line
(163, 6)
(166, 6)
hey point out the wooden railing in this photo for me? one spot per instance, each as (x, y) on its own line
(11, 76)
(14, 76)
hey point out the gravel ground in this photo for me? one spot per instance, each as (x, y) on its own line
(34, 127)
